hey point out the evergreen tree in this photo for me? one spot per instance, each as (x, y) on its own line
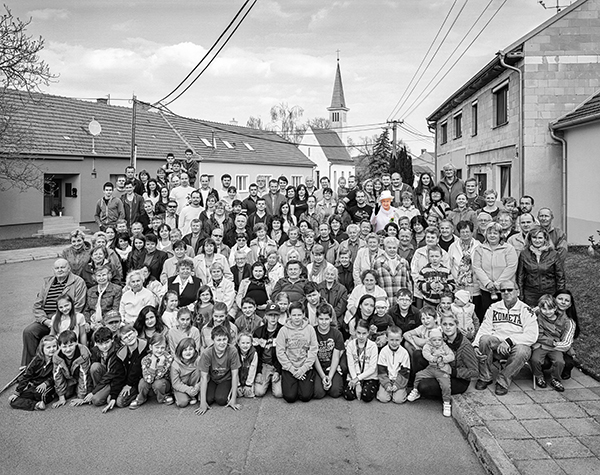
(403, 165)
(379, 162)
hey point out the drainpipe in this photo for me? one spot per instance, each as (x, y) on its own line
(521, 148)
(564, 176)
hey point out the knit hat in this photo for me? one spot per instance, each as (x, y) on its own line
(435, 332)
(463, 295)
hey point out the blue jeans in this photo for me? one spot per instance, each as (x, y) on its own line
(516, 359)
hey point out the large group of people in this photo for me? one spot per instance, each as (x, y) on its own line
(371, 290)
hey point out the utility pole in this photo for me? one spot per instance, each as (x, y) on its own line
(394, 136)
(133, 158)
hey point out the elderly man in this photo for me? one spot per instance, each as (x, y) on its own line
(63, 282)
(507, 332)
(451, 185)
(557, 235)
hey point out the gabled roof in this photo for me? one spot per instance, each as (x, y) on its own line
(332, 146)
(587, 111)
(56, 125)
(338, 101)
(494, 68)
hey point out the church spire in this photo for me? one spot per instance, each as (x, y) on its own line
(337, 109)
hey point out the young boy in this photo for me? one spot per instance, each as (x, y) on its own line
(248, 321)
(439, 355)
(404, 314)
(103, 361)
(297, 347)
(129, 356)
(393, 368)
(219, 367)
(312, 302)
(71, 366)
(331, 347)
(380, 322)
(269, 369)
(464, 311)
(434, 278)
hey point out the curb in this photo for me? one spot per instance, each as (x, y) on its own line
(481, 440)
(26, 255)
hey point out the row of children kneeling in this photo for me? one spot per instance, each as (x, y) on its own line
(298, 361)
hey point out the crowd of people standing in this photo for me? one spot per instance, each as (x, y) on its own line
(366, 290)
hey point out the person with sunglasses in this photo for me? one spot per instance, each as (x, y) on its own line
(507, 332)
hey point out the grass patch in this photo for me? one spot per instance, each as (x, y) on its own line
(583, 273)
(26, 243)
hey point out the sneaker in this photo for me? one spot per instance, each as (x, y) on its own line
(134, 404)
(501, 390)
(193, 401)
(447, 409)
(169, 400)
(540, 382)
(557, 385)
(413, 396)
(481, 385)
(40, 406)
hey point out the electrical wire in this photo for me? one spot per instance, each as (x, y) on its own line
(423, 60)
(215, 55)
(207, 53)
(418, 101)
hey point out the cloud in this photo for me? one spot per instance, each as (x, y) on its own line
(269, 9)
(125, 25)
(49, 14)
(320, 18)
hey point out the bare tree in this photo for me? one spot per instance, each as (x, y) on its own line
(287, 120)
(20, 69)
(319, 123)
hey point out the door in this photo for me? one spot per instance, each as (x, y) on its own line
(52, 195)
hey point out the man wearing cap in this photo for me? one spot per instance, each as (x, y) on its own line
(63, 282)
(386, 214)
(507, 332)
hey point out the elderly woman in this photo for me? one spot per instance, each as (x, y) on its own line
(334, 293)
(392, 271)
(365, 257)
(78, 253)
(98, 258)
(464, 367)
(135, 298)
(493, 262)
(184, 284)
(222, 288)
(261, 245)
(386, 214)
(540, 270)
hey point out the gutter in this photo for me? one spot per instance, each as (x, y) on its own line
(521, 149)
(564, 176)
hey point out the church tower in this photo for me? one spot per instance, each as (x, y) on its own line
(337, 109)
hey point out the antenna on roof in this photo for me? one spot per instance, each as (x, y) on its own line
(557, 7)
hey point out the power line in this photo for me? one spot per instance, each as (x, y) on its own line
(215, 55)
(418, 101)
(423, 60)
(432, 58)
(207, 53)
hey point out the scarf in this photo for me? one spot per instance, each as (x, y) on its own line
(538, 251)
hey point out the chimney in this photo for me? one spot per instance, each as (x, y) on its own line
(233, 122)
(102, 100)
(423, 150)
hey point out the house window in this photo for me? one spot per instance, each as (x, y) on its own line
(227, 144)
(481, 182)
(241, 183)
(296, 180)
(501, 105)
(505, 185)
(458, 125)
(249, 147)
(444, 132)
(206, 142)
(474, 118)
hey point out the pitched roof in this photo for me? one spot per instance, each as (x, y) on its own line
(587, 111)
(494, 68)
(56, 125)
(332, 146)
(338, 101)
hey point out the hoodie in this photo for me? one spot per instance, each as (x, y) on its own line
(184, 376)
(72, 373)
(297, 346)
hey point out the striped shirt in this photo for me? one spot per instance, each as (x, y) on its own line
(54, 292)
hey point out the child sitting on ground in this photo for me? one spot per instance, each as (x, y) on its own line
(185, 373)
(71, 366)
(415, 339)
(219, 318)
(393, 368)
(269, 369)
(249, 360)
(35, 388)
(155, 373)
(184, 329)
(439, 355)
(102, 369)
(331, 347)
(362, 381)
(464, 311)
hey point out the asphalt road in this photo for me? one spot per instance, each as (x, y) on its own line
(267, 436)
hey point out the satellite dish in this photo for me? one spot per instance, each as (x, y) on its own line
(94, 127)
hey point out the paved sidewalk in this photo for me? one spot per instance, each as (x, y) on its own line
(32, 254)
(532, 431)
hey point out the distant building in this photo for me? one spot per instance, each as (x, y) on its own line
(59, 142)
(325, 147)
(496, 127)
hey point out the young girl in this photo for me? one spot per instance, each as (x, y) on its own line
(219, 318)
(123, 249)
(283, 302)
(184, 329)
(35, 387)
(364, 312)
(556, 333)
(185, 373)
(418, 225)
(445, 306)
(464, 311)
(137, 254)
(147, 324)
(296, 347)
(249, 360)
(205, 304)
(167, 310)
(155, 373)
(362, 381)
(66, 318)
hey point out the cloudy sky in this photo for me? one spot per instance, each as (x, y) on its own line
(285, 51)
